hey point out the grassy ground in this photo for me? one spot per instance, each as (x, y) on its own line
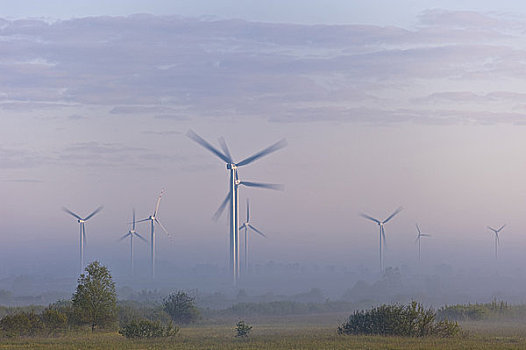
(286, 333)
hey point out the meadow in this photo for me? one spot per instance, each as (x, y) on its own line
(298, 332)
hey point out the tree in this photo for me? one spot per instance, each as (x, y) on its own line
(180, 306)
(95, 300)
(242, 329)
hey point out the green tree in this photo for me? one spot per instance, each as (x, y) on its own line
(95, 300)
(180, 306)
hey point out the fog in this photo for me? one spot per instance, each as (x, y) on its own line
(94, 111)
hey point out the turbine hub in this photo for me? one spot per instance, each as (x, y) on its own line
(231, 166)
(80, 221)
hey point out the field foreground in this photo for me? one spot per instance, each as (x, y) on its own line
(283, 336)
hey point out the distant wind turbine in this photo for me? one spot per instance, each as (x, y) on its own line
(132, 233)
(382, 231)
(233, 196)
(82, 238)
(497, 242)
(248, 226)
(154, 221)
(419, 237)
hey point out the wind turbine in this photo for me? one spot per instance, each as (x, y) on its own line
(131, 233)
(496, 238)
(418, 238)
(232, 196)
(382, 231)
(154, 221)
(82, 237)
(248, 226)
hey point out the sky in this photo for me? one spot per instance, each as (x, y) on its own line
(419, 105)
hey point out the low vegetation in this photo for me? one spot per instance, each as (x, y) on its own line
(411, 320)
(477, 312)
(148, 329)
(242, 329)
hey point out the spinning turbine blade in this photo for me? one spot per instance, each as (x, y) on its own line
(278, 145)
(383, 236)
(161, 225)
(393, 214)
(418, 229)
(225, 149)
(501, 228)
(71, 213)
(221, 208)
(140, 237)
(158, 202)
(276, 187)
(125, 236)
(370, 218)
(242, 226)
(143, 220)
(255, 229)
(191, 134)
(248, 211)
(492, 229)
(92, 214)
(425, 235)
(84, 233)
(133, 227)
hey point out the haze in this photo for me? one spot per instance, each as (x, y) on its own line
(422, 109)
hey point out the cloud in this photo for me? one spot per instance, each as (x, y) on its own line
(169, 67)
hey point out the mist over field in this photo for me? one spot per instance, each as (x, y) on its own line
(427, 113)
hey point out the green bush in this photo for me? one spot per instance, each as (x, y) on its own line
(54, 320)
(148, 329)
(21, 324)
(411, 320)
(180, 306)
(474, 312)
(242, 329)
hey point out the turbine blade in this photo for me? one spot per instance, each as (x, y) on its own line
(191, 134)
(92, 214)
(418, 229)
(248, 211)
(255, 229)
(417, 238)
(425, 235)
(225, 149)
(133, 227)
(124, 237)
(71, 213)
(492, 229)
(221, 208)
(276, 187)
(370, 218)
(140, 237)
(143, 220)
(242, 226)
(501, 228)
(84, 234)
(278, 145)
(158, 202)
(393, 214)
(383, 236)
(161, 225)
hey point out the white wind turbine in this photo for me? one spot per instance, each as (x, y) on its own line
(132, 233)
(497, 242)
(419, 237)
(154, 221)
(248, 226)
(382, 232)
(232, 196)
(82, 238)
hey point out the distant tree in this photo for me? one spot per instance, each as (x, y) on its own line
(181, 308)
(95, 300)
(242, 329)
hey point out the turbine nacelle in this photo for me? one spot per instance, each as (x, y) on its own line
(231, 166)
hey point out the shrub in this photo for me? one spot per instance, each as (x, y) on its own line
(401, 320)
(54, 320)
(148, 329)
(474, 312)
(242, 329)
(180, 306)
(21, 324)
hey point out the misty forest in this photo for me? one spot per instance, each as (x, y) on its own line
(263, 175)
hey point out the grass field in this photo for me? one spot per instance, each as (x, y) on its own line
(285, 333)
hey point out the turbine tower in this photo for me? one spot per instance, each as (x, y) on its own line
(232, 196)
(132, 233)
(248, 226)
(154, 221)
(382, 232)
(496, 238)
(82, 237)
(419, 237)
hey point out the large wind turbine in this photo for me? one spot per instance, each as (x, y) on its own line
(234, 183)
(382, 231)
(248, 226)
(496, 238)
(419, 237)
(154, 221)
(82, 238)
(132, 233)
